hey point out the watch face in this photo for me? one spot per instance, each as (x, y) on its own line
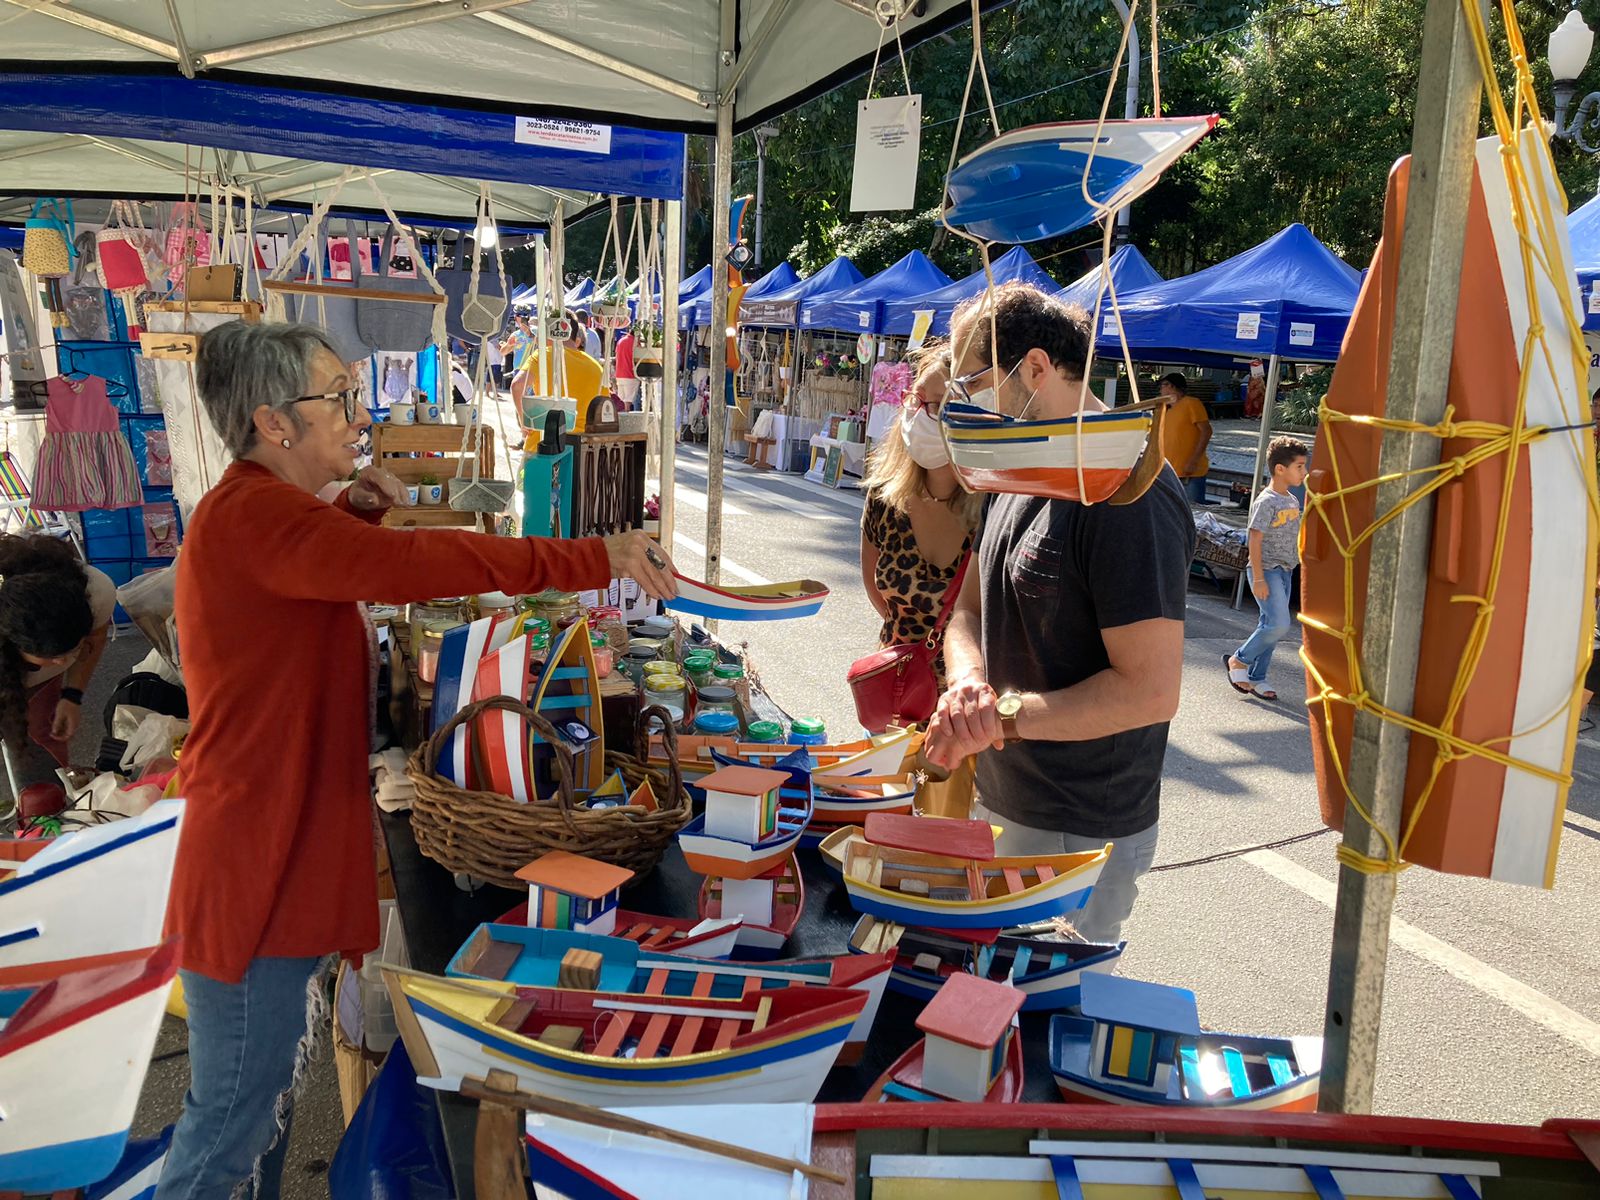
(1009, 705)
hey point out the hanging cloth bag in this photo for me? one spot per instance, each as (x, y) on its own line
(393, 324)
(188, 243)
(124, 246)
(84, 461)
(898, 685)
(334, 315)
(47, 240)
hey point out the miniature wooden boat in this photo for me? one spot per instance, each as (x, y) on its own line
(763, 602)
(970, 889)
(1047, 971)
(99, 892)
(882, 759)
(1086, 459)
(137, 1173)
(533, 957)
(833, 807)
(568, 691)
(1500, 817)
(1029, 183)
(1141, 1043)
(707, 855)
(771, 1046)
(461, 651)
(903, 1080)
(500, 753)
(74, 1049)
(971, 1049)
(761, 938)
(745, 831)
(689, 937)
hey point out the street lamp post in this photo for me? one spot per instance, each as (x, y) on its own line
(764, 134)
(1569, 47)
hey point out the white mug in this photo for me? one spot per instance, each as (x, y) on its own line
(411, 494)
(428, 414)
(431, 493)
(465, 414)
(402, 412)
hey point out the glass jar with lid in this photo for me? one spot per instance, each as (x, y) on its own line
(765, 733)
(553, 606)
(669, 692)
(716, 724)
(729, 673)
(808, 731)
(452, 610)
(604, 658)
(698, 667)
(716, 699)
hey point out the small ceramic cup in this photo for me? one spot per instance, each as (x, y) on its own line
(411, 494)
(431, 493)
(465, 414)
(402, 412)
(429, 414)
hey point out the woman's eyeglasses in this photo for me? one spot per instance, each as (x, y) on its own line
(350, 398)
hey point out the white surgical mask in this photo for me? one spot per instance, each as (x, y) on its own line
(919, 430)
(988, 400)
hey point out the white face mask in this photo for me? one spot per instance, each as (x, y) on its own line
(989, 401)
(919, 430)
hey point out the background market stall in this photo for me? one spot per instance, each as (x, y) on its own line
(1016, 265)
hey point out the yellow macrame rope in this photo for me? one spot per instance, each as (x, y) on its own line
(1537, 227)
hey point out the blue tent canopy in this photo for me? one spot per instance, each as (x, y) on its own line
(861, 308)
(1129, 273)
(1290, 296)
(1583, 226)
(692, 288)
(783, 308)
(1014, 266)
(579, 294)
(778, 279)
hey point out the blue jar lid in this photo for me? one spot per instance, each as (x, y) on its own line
(720, 723)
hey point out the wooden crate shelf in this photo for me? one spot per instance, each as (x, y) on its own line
(400, 449)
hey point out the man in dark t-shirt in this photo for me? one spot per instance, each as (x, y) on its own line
(1065, 651)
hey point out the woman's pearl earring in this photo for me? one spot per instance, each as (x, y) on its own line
(287, 444)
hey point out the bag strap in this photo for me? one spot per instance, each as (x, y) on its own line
(951, 595)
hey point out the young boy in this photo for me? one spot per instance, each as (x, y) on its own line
(1274, 554)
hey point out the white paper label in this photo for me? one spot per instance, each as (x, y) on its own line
(805, 314)
(888, 139)
(865, 320)
(1111, 327)
(1302, 333)
(564, 135)
(1248, 327)
(921, 322)
(1594, 299)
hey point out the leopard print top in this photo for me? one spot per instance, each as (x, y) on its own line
(914, 587)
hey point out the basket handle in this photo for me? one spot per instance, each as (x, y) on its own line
(435, 745)
(669, 742)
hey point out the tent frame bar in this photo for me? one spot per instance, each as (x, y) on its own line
(597, 58)
(185, 55)
(752, 51)
(110, 29)
(346, 31)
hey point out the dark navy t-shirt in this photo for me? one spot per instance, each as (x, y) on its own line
(1054, 574)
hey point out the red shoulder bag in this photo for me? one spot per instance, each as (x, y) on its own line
(897, 685)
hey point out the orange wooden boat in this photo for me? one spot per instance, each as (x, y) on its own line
(1494, 815)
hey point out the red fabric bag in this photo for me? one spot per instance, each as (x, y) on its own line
(897, 685)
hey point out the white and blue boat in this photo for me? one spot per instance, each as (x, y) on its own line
(764, 602)
(138, 1173)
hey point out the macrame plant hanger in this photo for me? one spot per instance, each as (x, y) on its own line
(482, 315)
(647, 342)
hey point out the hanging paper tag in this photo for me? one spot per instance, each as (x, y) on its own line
(564, 135)
(888, 140)
(1248, 327)
(1302, 333)
(921, 322)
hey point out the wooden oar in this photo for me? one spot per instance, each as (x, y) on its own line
(601, 1118)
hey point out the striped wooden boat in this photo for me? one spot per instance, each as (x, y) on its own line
(689, 937)
(138, 1173)
(772, 1046)
(501, 758)
(1046, 970)
(1086, 458)
(761, 940)
(762, 602)
(74, 1049)
(97, 893)
(1500, 817)
(883, 759)
(902, 1082)
(532, 958)
(708, 855)
(1043, 181)
(461, 651)
(567, 690)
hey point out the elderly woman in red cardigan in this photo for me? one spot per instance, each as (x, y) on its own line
(275, 868)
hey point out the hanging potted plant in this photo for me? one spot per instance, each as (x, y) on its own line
(648, 339)
(611, 305)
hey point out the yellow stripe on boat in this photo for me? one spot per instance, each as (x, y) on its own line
(1121, 1051)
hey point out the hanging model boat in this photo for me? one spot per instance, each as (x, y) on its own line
(1140, 1043)
(618, 1050)
(1028, 184)
(1111, 456)
(770, 913)
(690, 937)
(567, 694)
(942, 873)
(1047, 971)
(98, 892)
(533, 958)
(763, 602)
(1532, 613)
(74, 1049)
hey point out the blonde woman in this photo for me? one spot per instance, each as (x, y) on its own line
(916, 532)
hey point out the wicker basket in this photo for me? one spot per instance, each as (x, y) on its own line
(491, 837)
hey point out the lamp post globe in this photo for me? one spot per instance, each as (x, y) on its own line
(1569, 47)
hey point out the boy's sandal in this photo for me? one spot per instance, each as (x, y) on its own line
(1263, 693)
(1238, 677)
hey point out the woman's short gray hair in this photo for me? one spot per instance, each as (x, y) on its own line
(241, 366)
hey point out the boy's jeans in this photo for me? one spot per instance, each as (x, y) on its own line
(1271, 629)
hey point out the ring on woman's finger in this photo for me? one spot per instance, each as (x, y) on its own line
(654, 558)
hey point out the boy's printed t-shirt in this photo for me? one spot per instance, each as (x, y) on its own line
(1277, 516)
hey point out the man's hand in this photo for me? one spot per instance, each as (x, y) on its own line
(635, 556)
(377, 490)
(67, 719)
(965, 722)
(1260, 590)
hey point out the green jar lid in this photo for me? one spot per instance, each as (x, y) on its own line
(809, 726)
(729, 671)
(700, 660)
(599, 641)
(766, 731)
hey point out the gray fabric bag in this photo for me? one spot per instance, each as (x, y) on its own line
(334, 315)
(393, 324)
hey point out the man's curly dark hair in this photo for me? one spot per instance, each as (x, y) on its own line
(44, 611)
(1025, 319)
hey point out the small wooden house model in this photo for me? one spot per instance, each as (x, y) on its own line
(569, 891)
(742, 803)
(1137, 1027)
(967, 1030)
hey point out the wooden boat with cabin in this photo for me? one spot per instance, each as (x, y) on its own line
(769, 905)
(567, 694)
(971, 1048)
(688, 936)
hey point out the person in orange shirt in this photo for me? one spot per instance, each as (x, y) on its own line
(1186, 435)
(275, 871)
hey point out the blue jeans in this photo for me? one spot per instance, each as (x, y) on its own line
(1114, 892)
(1271, 629)
(1194, 487)
(247, 1045)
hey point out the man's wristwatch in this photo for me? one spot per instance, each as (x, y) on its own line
(1009, 705)
(72, 696)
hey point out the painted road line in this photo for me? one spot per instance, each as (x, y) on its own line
(697, 500)
(1497, 985)
(728, 565)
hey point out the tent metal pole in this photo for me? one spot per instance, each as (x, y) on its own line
(669, 370)
(578, 50)
(1426, 295)
(721, 199)
(1268, 405)
(347, 31)
(755, 45)
(47, 146)
(185, 58)
(110, 29)
(1130, 107)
